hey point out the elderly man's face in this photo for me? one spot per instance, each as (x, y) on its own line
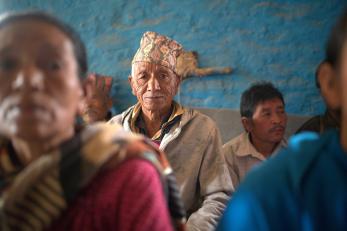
(154, 85)
(40, 90)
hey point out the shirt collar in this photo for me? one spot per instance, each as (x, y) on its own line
(246, 148)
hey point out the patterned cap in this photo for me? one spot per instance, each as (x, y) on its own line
(158, 49)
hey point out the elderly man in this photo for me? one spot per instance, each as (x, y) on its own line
(264, 120)
(191, 140)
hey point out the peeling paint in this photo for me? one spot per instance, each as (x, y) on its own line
(108, 40)
(141, 23)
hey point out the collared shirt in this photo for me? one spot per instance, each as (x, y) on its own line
(137, 123)
(302, 188)
(193, 148)
(241, 156)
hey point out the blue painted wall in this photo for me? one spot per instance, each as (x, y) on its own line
(280, 41)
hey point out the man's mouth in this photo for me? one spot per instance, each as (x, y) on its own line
(277, 129)
(154, 97)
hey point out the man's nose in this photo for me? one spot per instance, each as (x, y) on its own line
(29, 78)
(153, 83)
(276, 118)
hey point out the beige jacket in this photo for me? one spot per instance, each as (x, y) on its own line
(193, 147)
(241, 156)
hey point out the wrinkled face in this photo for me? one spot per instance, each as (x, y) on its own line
(154, 85)
(269, 121)
(39, 86)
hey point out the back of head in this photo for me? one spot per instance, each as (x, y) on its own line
(329, 70)
(255, 94)
(7, 19)
(336, 41)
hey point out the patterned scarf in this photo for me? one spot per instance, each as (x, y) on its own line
(138, 127)
(34, 196)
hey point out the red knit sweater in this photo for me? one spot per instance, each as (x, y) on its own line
(129, 197)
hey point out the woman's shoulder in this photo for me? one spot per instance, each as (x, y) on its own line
(133, 173)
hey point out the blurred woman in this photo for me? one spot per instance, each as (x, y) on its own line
(53, 177)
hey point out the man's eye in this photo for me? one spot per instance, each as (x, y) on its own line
(141, 76)
(163, 76)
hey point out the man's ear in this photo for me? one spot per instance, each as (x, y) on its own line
(329, 86)
(130, 78)
(247, 124)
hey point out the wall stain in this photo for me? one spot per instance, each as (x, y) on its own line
(142, 23)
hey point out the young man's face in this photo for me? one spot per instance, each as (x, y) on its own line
(268, 122)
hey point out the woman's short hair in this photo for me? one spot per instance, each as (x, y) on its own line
(78, 45)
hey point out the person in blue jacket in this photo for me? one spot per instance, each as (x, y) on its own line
(305, 186)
